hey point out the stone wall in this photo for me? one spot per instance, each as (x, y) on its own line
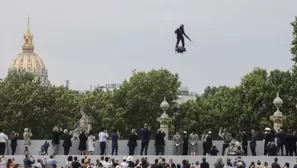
(123, 149)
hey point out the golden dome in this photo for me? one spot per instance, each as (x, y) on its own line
(28, 60)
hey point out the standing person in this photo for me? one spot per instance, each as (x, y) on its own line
(3, 140)
(132, 142)
(227, 138)
(114, 142)
(280, 141)
(160, 142)
(253, 143)
(145, 139)
(28, 161)
(193, 140)
(208, 142)
(267, 138)
(204, 164)
(177, 141)
(56, 139)
(244, 141)
(203, 138)
(294, 147)
(82, 147)
(27, 139)
(102, 140)
(185, 143)
(275, 163)
(67, 143)
(180, 33)
(91, 142)
(13, 142)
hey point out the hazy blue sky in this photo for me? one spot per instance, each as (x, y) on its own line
(99, 42)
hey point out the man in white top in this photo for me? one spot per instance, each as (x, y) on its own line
(3, 140)
(102, 140)
(124, 164)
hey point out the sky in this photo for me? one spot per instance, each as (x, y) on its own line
(99, 42)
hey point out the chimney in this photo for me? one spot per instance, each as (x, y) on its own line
(67, 84)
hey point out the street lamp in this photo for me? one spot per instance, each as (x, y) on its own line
(175, 109)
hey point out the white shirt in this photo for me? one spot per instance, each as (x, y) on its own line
(107, 164)
(124, 165)
(3, 137)
(102, 136)
(39, 165)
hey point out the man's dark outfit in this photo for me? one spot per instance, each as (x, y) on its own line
(253, 144)
(208, 143)
(268, 137)
(180, 33)
(271, 149)
(290, 142)
(114, 141)
(145, 139)
(275, 165)
(204, 164)
(185, 144)
(75, 164)
(281, 141)
(244, 142)
(160, 143)
(67, 143)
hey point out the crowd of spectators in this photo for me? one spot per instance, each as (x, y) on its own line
(130, 162)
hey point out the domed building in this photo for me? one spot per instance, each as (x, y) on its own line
(28, 60)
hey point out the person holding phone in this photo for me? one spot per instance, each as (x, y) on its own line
(28, 161)
(3, 140)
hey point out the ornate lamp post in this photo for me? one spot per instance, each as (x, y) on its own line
(164, 119)
(176, 112)
(278, 117)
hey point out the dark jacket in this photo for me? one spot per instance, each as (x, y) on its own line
(281, 138)
(159, 139)
(56, 139)
(208, 142)
(145, 135)
(67, 140)
(275, 165)
(114, 139)
(14, 141)
(204, 165)
(28, 163)
(132, 140)
(290, 141)
(244, 139)
(253, 140)
(179, 32)
(271, 150)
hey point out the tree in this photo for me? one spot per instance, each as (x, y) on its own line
(140, 98)
(294, 41)
(246, 106)
(100, 106)
(18, 93)
(25, 103)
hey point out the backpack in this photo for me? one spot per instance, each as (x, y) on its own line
(227, 137)
(176, 31)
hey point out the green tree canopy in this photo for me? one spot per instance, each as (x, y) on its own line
(26, 103)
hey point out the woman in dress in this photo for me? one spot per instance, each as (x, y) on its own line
(91, 142)
(82, 147)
